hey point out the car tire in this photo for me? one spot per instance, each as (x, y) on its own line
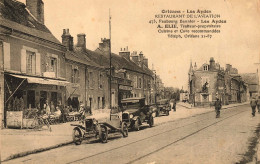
(76, 136)
(103, 134)
(151, 121)
(136, 125)
(167, 113)
(124, 129)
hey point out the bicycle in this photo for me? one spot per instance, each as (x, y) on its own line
(40, 121)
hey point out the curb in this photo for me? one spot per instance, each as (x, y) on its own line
(225, 107)
(22, 154)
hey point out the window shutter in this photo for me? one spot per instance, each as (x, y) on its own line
(58, 67)
(23, 61)
(6, 47)
(38, 64)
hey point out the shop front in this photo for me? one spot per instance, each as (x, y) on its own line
(124, 92)
(24, 94)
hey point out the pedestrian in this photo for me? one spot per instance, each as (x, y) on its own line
(258, 104)
(47, 109)
(218, 106)
(52, 107)
(253, 104)
(174, 105)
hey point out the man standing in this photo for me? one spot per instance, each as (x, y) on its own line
(174, 105)
(253, 104)
(218, 106)
(258, 104)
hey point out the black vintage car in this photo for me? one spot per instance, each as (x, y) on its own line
(135, 112)
(163, 107)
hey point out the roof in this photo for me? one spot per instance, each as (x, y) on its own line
(15, 15)
(250, 78)
(118, 62)
(80, 57)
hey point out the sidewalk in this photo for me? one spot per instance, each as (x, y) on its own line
(190, 106)
(21, 142)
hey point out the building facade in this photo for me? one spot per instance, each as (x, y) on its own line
(211, 81)
(34, 71)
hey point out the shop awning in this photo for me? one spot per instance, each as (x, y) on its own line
(38, 80)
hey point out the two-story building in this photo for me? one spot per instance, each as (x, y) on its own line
(89, 83)
(211, 81)
(33, 59)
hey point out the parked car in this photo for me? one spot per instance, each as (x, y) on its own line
(163, 107)
(135, 113)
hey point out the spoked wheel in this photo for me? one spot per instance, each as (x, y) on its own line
(77, 136)
(103, 134)
(151, 121)
(124, 129)
(46, 122)
(136, 126)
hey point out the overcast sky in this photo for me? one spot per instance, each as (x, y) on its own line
(237, 44)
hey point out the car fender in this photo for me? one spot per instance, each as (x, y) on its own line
(80, 130)
(135, 118)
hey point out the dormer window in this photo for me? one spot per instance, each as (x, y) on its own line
(206, 67)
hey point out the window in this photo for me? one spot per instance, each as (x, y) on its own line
(206, 67)
(53, 65)
(31, 62)
(100, 80)
(139, 82)
(91, 80)
(75, 75)
(135, 81)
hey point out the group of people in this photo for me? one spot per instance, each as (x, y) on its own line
(255, 103)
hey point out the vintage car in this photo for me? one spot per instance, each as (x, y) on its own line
(98, 126)
(135, 113)
(163, 107)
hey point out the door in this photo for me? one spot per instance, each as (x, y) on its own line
(54, 98)
(30, 99)
(43, 98)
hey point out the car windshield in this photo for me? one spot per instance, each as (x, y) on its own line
(131, 105)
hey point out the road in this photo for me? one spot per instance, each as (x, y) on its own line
(198, 139)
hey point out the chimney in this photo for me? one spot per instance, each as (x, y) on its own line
(212, 63)
(125, 53)
(104, 45)
(135, 57)
(141, 57)
(228, 67)
(195, 67)
(145, 61)
(81, 45)
(36, 8)
(67, 40)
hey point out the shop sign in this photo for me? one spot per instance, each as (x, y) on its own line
(123, 87)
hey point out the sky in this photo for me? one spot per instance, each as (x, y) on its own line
(238, 43)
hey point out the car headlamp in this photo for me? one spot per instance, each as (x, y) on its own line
(131, 116)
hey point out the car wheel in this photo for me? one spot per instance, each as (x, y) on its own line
(124, 129)
(167, 113)
(103, 134)
(151, 122)
(77, 136)
(137, 127)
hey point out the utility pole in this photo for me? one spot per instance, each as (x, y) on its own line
(110, 69)
(258, 73)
